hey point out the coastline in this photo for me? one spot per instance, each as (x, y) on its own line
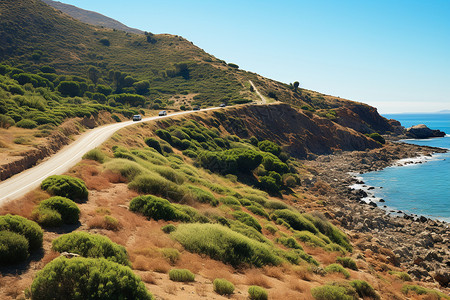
(420, 245)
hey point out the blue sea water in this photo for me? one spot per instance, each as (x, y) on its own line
(421, 189)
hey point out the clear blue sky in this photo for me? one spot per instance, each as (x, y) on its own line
(394, 55)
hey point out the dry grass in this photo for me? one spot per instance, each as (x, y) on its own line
(11, 288)
(302, 272)
(170, 288)
(201, 290)
(25, 205)
(148, 277)
(275, 272)
(104, 222)
(254, 277)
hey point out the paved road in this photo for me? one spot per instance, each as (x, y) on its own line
(59, 163)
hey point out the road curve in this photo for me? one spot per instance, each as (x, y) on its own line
(59, 163)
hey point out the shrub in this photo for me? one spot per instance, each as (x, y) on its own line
(364, 289)
(329, 230)
(181, 275)
(270, 228)
(335, 268)
(27, 123)
(257, 293)
(247, 219)
(13, 247)
(401, 275)
(377, 137)
(65, 186)
(126, 168)
(347, 262)
(158, 185)
(29, 229)
(202, 196)
(223, 244)
(69, 88)
(153, 143)
(68, 209)
(91, 245)
(95, 154)
(168, 228)
(6, 121)
(332, 292)
(171, 254)
(223, 286)
(157, 209)
(309, 238)
(268, 146)
(294, 219)
(165, 135)
(289, 242)
(423, 291)
(47, 217)
(87, 278)
(105, 41)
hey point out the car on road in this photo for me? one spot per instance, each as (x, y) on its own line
(196, 108)
(222, 105)
(137, 117)
(163, 113)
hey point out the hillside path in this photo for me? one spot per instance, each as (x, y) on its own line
(263, 100)
(59, 163)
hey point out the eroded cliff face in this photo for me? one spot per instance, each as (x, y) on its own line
(303, 134)
(366, 119)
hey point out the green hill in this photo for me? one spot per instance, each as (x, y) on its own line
(166, 70)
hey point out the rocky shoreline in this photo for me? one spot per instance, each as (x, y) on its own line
(419, 244)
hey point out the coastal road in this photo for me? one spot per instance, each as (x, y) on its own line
(59, 163)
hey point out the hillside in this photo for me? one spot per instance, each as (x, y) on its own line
(167, 69)
(247, 201)
(91, 17)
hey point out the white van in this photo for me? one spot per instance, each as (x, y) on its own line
(163, 113)
(137, 117)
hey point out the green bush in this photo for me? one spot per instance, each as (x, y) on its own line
(13, 247)
(6, 121)
(258, 210)
(181, 275)
(69, 211)
(270, 228)
(377, 137)
(331, 231)
(91, 245)
(268, 146)
(202, 196)
(157, 209)
(423, 291)
(332, 292)
(223, 286)
(65, 186)
(153, 143)
(158, 185)
(364, 289)
(87, 278)
(27, 123)
(168, 228)
(69, 88)
(172, 255)
(335, 268)
(257, 293)
(47, 217)
(29, 229)
(347, 262)
(309, 238)
(223, 244)
(296, 220)
(95, 154)
(126, 168)
(247, 219)
(289, 242)
(401, 275)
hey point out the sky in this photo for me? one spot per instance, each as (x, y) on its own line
(394, 55)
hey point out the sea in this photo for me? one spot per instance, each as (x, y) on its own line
(422, 186)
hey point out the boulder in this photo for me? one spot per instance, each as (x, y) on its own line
(421, 131)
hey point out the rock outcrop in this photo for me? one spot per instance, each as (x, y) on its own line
(421, 131)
